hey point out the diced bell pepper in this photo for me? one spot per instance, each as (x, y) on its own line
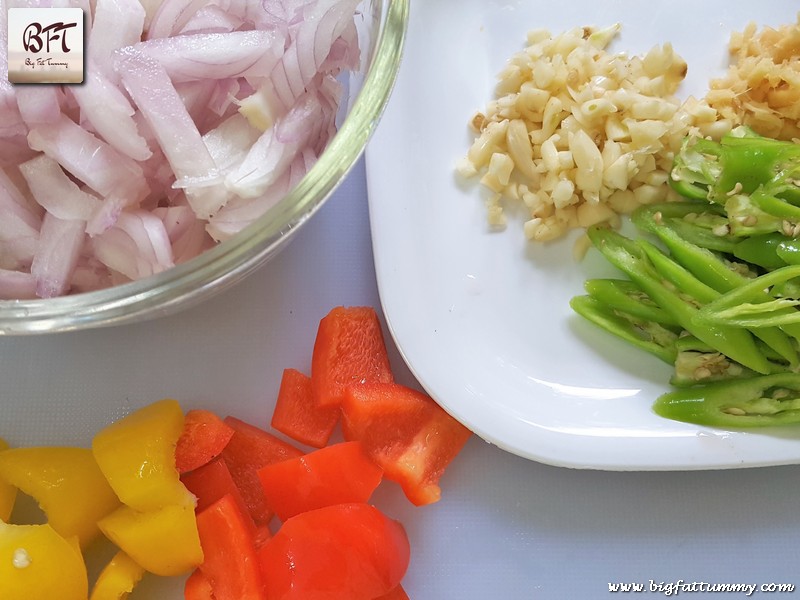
(203, 438)
(137, 456)
(36, 563)
(164, 541)
(117, 579)
(337, 474)
(66, 482)
(8, 492)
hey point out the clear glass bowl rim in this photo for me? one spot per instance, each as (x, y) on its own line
(229, 262)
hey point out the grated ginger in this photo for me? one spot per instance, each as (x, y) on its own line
(761, 89)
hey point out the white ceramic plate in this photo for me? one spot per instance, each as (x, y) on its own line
(482, 317)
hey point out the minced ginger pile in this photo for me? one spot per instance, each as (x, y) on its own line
(762, 88)
(582, 136)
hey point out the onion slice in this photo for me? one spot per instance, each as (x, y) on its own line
(56, 192)
(177, 135)
(110, 112)
(90, 159)
(60, 243)
(117, 23)
(204, 56)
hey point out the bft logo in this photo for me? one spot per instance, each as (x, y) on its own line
(45, 45)
(32, 36)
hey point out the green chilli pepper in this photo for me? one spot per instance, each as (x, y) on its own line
(752, 402)
(745, 306)
(687, 283)
(741, 162)
(762, 250)
(642, 333)
(715, 271)
(626, 296)
(789, 251)
(695, 366)
(753, 177)
(702, 224)
(712, 271)
(628, 256)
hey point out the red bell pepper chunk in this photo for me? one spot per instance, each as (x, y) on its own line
(350, 551)
(249, 449)
(203, 438)
(348, 349)
(263, 535)
(229, 552)
(337, 474)
(406, 433)
(211, 482)
(197, 587)
(297, 415)
(397, 593)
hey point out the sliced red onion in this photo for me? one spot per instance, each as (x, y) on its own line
(254, 14)
(117, 23)
(177, 220)
(230, 141)
(324, 21)
(90, 159)
(150, 236)
(116, 250)
(13, 202)
(275, 149)
(56, 192)
(216, 55)
(136, 246)
(330, 93)
(16, 285)
(177, 135)
(19, 228)
(150, 9)
(21, 193)
(212, 19)
(196, 96)
(344, 53)
(89, 275)
(4, 43)
(11, 123)
(196, 116)
(192, 242)
(106, 215)
(161, 178)
(38, 104)
(172, 16)
(186, 232)
(60, 243)
(109, 111)
(240, 212)
(14, 150)
(224, 96)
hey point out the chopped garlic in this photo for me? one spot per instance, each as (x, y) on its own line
(580, 135)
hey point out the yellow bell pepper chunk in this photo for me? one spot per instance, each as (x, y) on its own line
(8, 492)
(137, 456)
(67, 484)
(117, 579)
(163, 541)
(36, 563)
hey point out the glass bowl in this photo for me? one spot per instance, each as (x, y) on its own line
(382, 34)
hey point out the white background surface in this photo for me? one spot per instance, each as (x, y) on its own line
(506, 529)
